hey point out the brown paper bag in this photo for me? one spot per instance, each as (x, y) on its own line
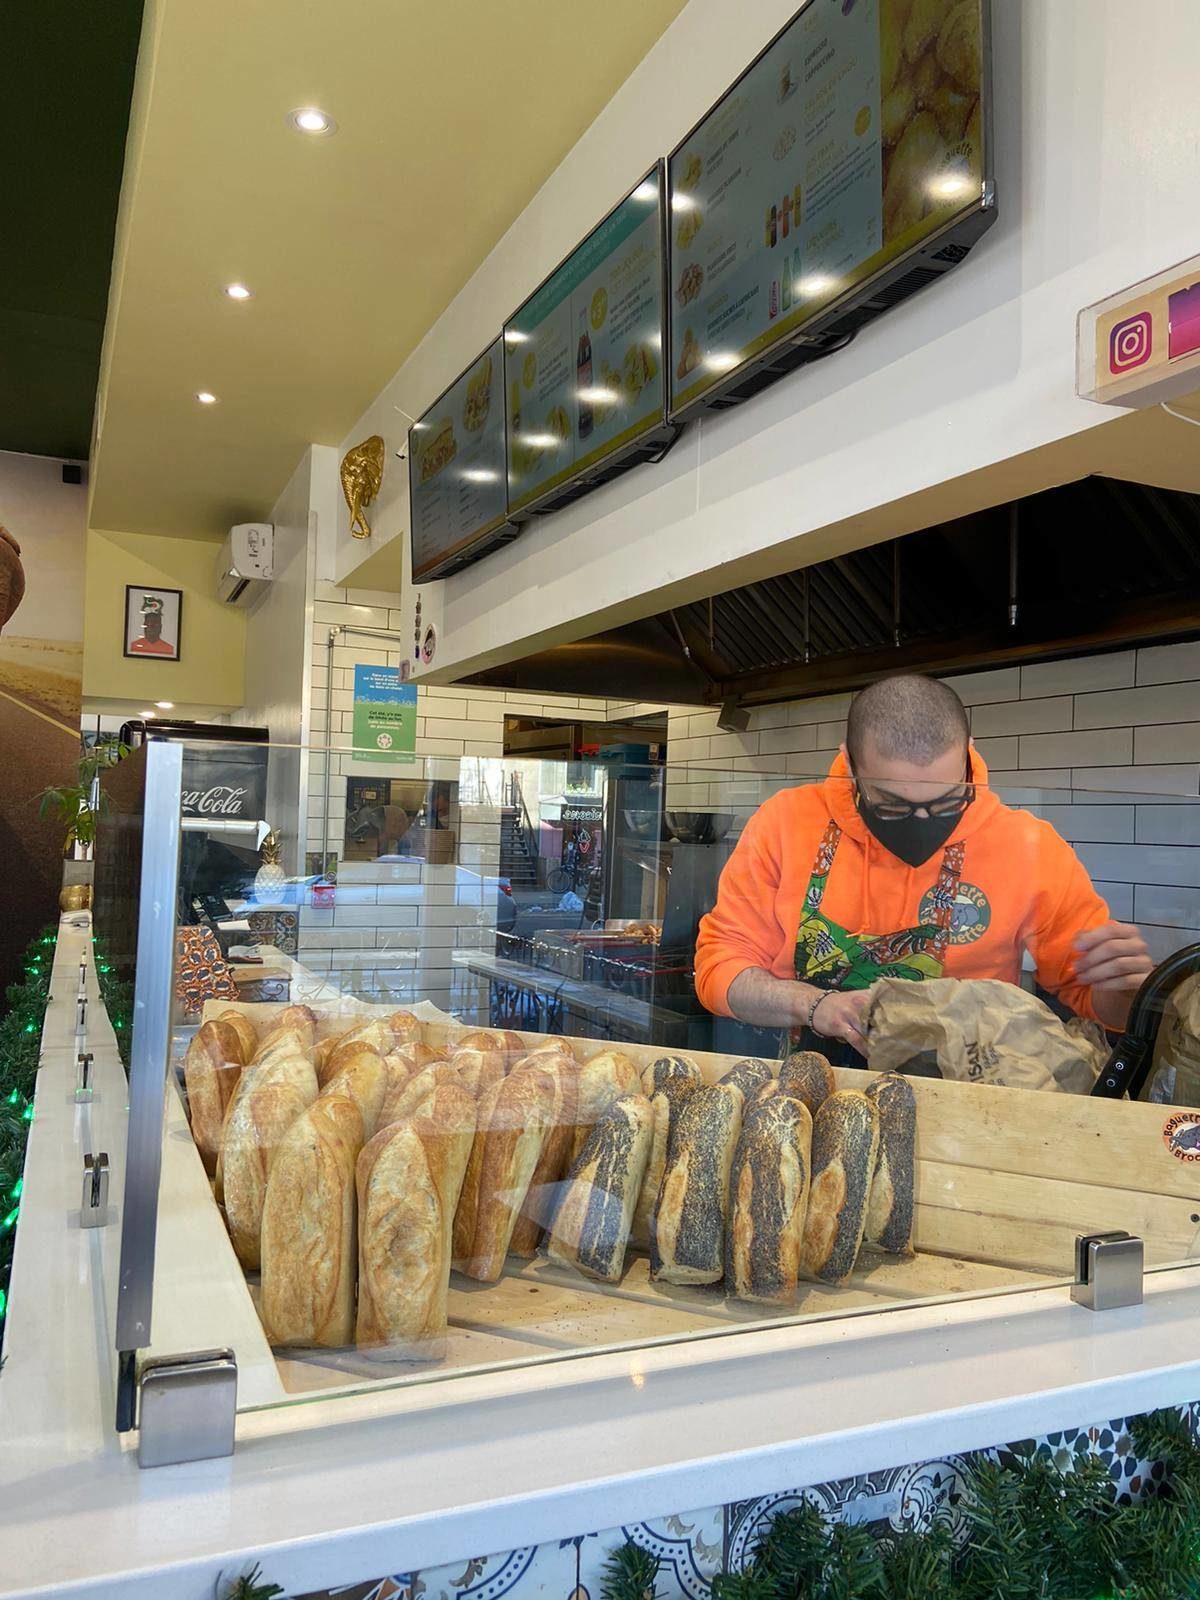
(979, 1030)
(1175, 1077)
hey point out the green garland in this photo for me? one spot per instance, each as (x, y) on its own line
(20, 1047)
(1033, 1532)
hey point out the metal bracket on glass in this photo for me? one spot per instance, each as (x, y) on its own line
(82, 991)
(1108, 1270)
(83, 1076)
(93, 1204)
(187, 1405)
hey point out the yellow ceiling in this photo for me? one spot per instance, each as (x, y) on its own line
(450, 116)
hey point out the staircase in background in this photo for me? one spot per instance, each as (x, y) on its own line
(518, 851)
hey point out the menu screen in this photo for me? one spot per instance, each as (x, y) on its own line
(456, 467)
(583, 356)
(853, 137)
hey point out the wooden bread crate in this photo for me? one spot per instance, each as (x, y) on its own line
(1006, 1179)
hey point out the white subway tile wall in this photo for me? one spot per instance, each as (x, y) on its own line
(1107, 747)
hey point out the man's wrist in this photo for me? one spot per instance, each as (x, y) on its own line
(807, 996)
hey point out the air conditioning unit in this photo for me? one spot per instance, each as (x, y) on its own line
(246, 562)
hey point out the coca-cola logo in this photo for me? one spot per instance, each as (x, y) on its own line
(222, 800)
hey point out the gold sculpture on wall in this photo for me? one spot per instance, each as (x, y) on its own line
(362, 474)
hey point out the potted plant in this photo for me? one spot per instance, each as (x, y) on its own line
(79, 804)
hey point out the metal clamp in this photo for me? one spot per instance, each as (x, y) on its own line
(93, 1206)
(1108, 1270)
(81, 1016)
(83, 1077)
(187, 1405)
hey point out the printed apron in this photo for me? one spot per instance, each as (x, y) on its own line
(829, 957)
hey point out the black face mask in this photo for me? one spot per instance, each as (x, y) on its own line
(912, 839)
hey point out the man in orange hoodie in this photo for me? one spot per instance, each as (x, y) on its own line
(902, 863)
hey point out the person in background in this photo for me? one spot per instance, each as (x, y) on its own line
(902, 863)
(150, 641)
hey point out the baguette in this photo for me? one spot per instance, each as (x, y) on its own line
(751, 1075)
(591, 1226)
(479, 1070)
(363, 1077)
(245, 1029)
(889, 1224)
(768, 1200)
(408, 1180)
(512, 1125)
(808, 1074)
(666, 1105)
(293, 1032)
(603, 1079)
(666, 1067)
(688, 1241)
(268, 1099)
(542, 1197)
(309, 1228)
(845, 1143)
(406, 1096)
(211, 1070)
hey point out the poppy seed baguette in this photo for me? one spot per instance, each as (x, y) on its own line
(845, 1143)
(768, 1198)
(890, 1207)
(591, 1227)
(688, 1239)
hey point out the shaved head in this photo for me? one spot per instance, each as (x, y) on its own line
(910, 719)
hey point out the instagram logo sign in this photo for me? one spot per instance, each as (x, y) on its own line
(1131, 343)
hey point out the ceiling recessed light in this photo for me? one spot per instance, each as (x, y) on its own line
(205, 398)
(145, 715)
(237, 291)
(308, 119)
(165, 705)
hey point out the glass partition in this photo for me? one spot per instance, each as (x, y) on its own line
(454, 1083)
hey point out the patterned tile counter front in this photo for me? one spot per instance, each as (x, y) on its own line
(694, 1546)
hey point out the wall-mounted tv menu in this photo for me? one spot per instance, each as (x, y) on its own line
(456, 472)
(845, 169)
(583, 361)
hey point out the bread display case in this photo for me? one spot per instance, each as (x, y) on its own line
(397, 1182)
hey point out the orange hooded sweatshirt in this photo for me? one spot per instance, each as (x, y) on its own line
(1022, 888)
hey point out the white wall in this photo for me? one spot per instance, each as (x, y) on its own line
(1106, 747)
(1097, 175)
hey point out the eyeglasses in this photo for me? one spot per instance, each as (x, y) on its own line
(892, 809)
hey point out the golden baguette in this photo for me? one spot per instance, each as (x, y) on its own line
(665, 1067)
(480, 1070)
(406, 1096)
(245, 1029)
(666, 1104)
(590, 1230)
(292, 1032)
(268, 1099)
(554, 1161)
(211, 1070)
(889, 1225)
(808, 1074)
(688, 1240)
(603, 1079)
(409, 1178)
(309, 1236)
(845, 1143)
(513, 1122)
(363, 1076)
(768, 1196)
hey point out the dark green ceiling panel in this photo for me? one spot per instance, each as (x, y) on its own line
(66, 75)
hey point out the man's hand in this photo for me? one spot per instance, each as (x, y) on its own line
(1112, 960)
(842, 1014)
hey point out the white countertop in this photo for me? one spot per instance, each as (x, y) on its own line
(340, 1489)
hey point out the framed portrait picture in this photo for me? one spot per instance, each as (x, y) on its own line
(153, 616)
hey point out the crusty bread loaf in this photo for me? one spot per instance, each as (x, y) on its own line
(362, 1075)
(513, 1122)
(889, 1224)
(479, 1070)
(768, 1198)
(845, 1143)
(268, 1099)
(750, 1074)
(211, 1069)
(292, 1032)
(665, 1067)
(603, 1079)
(405, 1097)
(590, 1229)
(688, 1240)
(542, 1196)
(309, 1236)
(665, 1104)
(409, 1178)
(408, 1059)
(808, 1074)
(548, 1044)
(406, 1029)
(245, 1029)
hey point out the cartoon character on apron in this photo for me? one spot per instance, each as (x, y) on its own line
(830, 957)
